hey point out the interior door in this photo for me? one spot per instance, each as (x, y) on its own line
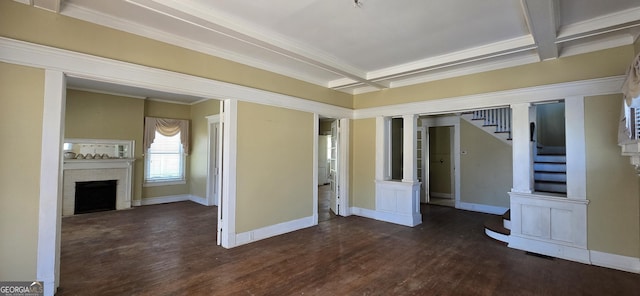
(213, 195)
(333, 168)
(440, 162)
(323, 159)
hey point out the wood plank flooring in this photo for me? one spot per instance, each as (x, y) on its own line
(170, 249)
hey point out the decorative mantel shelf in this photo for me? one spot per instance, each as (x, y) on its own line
(632, 149)
(98, 163)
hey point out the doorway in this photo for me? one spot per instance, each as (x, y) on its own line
(440, 160)
(328, 169)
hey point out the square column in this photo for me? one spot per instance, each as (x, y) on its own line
(522, 149)
(410, 145)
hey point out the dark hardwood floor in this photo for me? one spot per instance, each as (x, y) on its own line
(324, 198)
(170, 249)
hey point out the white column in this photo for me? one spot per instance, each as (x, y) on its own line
(410, 144)
(576, 148)
(50, 206)
(383, 135)
(522, 148)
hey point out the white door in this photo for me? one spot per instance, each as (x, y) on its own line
(323, 159)
(333, 168)
(213, 182)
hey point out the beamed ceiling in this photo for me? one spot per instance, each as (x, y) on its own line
(373, 44)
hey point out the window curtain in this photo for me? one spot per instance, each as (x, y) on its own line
(631, 86)
(166, 127)
(630, 91)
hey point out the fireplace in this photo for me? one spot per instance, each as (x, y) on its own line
(95, 196)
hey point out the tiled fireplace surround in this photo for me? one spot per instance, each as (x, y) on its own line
(97, 170)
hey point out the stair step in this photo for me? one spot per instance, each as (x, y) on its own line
(552, 150)
(550, 167)
(550, 176)
(506, 219)
(494, 229)
(560, 158)
(554, 187)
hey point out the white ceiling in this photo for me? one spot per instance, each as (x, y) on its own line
(374, 45)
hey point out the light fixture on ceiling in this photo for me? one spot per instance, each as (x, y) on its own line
(357, 3)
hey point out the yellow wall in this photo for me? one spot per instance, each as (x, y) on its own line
(613, 187)
(485, 169)
(199, 140)
(35, 25)
(598, 64)
(274, 166)
(92, 115)
(362, 155)
(21, 94)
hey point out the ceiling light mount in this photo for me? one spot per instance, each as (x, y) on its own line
(357, 3)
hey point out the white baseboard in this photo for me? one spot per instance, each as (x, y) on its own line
(481, 208)
(169, 199)
(550, 249)
(273, 230)
(198, 199)
(405, 220)
(163, 199)
(619, 262)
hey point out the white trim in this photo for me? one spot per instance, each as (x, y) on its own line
(169, 199)
(619, 262)
(444, 121)
(50, 200)
(383, 216)
(273, 230)
(497, 236)
(489, 209)
(598, 25)
(343, 167)
(92, 16)
(167, 182)
(483, 52)
(316, 134)
(116, 72)
(590, 87)
(550, 249)
(198, 200)
(576, 148)
(213, 123)
(228, 201)
(163, 199)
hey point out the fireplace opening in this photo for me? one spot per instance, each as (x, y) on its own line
(95, 196)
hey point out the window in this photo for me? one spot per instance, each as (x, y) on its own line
(165, 159)
(166, 143)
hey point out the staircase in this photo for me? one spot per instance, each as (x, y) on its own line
(496, 122)
(550, 170)
(499, 227)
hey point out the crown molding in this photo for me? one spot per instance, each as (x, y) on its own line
(92, 16)
(591, 87)
(597, 25)
(90, 67)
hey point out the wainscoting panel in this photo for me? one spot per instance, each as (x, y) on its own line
(398, 202)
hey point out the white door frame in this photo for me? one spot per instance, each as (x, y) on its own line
(343, 166)
(443, 121)
(213, 160)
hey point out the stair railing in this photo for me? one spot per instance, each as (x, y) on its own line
(498, 117)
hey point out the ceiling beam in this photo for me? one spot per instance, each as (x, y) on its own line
(51, 5)
(543, 18)
(206, 19)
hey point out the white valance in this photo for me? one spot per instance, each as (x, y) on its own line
(631, 86)
(166, 127)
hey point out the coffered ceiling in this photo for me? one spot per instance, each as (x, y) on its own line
(367, 45)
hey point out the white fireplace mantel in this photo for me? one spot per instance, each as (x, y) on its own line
(83, 170)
